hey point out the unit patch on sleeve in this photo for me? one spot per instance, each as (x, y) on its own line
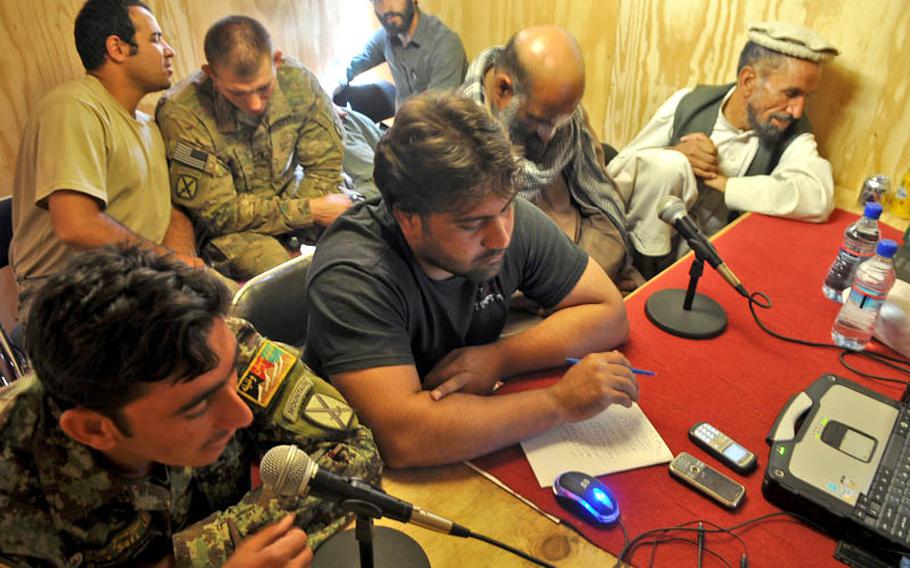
(292, 406)
(328, 412)
(187, 186)
(266, 372)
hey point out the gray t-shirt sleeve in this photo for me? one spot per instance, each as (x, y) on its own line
(355, 321)
(552, 264)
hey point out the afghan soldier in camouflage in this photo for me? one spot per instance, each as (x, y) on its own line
(132, 444)
(238, 133)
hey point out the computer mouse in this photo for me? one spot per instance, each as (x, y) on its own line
(585, 496)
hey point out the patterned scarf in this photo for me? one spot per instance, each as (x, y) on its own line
(572, 150)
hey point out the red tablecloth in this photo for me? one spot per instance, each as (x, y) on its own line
(738, 381)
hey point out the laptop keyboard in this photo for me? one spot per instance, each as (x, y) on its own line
(886, 507)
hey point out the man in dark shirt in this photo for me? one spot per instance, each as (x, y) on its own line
(408, 294)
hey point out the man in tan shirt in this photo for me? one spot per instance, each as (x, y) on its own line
(92, 169)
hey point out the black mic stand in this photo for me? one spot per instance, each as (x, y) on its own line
(392, 547)
(686, 313)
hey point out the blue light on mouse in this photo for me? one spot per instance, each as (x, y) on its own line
(585, 496)
(601, 496)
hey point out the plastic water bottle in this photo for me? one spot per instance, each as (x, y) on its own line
(859, 245)
(900, 202)
(874, 278)
(875, 188)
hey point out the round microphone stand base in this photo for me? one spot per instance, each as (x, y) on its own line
(391, 548)
(705, 320)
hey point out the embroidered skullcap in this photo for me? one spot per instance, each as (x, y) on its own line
(793, 40)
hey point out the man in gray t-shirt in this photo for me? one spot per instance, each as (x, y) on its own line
(407, 295)
(421, 51)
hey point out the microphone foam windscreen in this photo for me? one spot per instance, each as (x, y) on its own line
(669, 208)
(286, 470)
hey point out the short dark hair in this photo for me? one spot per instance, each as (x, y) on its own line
(100, 19)
(509, 62)
(117, 318)
(239, 43)
(443, 154)
(759, 58)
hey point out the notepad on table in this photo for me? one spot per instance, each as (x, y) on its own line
(617, 439)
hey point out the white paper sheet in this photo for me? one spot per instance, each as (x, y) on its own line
(617, 439)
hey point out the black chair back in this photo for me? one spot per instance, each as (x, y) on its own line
(6, 229)
(275, 301)
(10, 368)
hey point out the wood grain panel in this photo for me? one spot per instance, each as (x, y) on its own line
(36, 53)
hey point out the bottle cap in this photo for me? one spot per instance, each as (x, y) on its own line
(873, 210)
(886, 248)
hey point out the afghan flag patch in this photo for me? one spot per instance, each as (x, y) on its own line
(266, 372)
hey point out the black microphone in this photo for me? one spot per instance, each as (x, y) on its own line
(287, 471)
(672, 211)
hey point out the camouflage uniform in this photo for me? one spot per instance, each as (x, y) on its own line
(59, 506)
(241, 183)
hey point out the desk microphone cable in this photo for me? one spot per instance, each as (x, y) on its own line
(708, 528)
(761, 300)
(701, 542)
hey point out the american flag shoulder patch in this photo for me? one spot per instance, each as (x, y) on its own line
(192, 157)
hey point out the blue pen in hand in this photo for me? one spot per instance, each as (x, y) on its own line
(573, 360)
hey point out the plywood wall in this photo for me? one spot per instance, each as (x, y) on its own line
(637, 53)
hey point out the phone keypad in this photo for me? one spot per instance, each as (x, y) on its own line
(712, 435)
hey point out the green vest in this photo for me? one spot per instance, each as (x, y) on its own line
(697, 112)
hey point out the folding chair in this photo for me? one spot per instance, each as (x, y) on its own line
(275, 301)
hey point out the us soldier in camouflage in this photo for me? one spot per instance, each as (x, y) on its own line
(132, 444)
(238, 133)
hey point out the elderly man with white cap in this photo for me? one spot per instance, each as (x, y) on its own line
(743, 146)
